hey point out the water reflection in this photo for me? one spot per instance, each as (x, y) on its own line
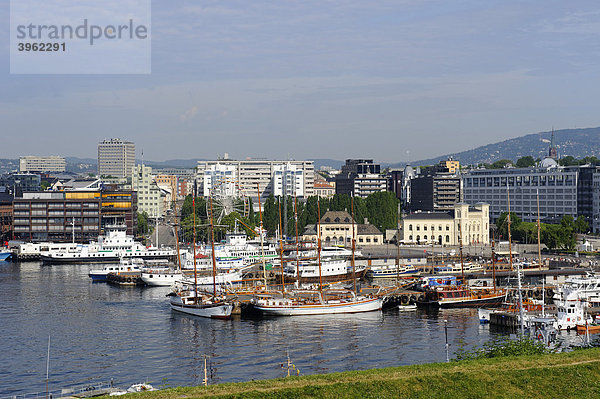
(101, 332)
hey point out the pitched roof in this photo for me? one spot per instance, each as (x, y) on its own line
(336, 217)
(367, 229)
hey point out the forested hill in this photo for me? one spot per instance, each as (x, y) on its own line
(578, 143)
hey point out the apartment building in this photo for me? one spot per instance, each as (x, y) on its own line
(116, 158)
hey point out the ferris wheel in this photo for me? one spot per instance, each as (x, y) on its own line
(227, 197)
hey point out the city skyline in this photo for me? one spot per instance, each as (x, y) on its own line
(392, 81)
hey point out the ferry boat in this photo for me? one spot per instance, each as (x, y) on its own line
(393, 271)
(125, 265)
(109, 248)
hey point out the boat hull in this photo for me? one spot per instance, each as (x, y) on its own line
(368, 305)
(5, 256)
(212, 311)
(464, 302)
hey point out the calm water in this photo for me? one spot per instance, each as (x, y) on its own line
(99, 332)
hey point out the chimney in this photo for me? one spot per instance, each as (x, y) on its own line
(366, 221)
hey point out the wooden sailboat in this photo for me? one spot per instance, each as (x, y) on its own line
(316, 301)
(187, 299)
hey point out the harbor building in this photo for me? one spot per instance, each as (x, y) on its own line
(116, 158)
(467, 223)
(557, 187)
(360, 178)
(59, 215)
(247, 177)
(150, 197)
(34, 164)
(336, 229)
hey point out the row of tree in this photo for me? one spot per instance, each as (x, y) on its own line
(554, 236)
(380, 209)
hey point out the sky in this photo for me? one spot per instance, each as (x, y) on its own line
(394, 81)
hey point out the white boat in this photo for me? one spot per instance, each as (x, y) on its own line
(125, 265)
(331, 270)
(109, 248)
(185, 300)
(238, 252)
(570, 313)
(304, 303)
(578, 288)
(393, 271)
(222, 280)
(161, 276)
(407, 308)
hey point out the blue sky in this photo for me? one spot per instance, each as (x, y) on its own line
(390, 80)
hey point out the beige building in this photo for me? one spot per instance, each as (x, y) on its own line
(151, 199)
(116, 158)
(35, 164)
(336, 229)
(322, 188)
(469, 223)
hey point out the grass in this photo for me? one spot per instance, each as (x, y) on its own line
(566, 375)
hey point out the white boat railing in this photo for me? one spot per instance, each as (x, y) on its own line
(83, 390)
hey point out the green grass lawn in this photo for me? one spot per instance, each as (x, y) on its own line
(565, 375)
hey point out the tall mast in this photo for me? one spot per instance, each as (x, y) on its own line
(176, 226)
(262, 250)
(398, 245)
(297, 242)
(540, 254)
(511, 266)
(194, 246)
(494, 260)
(281, 249)
(319, 243)
(353, 245)
(212, 238)
(462, 271)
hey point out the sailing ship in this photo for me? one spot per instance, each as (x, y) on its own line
(186, 297)
(317, 302)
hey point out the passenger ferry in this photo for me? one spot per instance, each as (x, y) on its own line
(110, 248)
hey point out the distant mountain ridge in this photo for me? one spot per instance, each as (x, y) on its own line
(578, 143)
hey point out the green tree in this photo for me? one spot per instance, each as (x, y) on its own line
(142, 223)
(568, 161)
(501, 164)
(581, 225)
(382, 208)
(502, 224)
(551, 235)
(525, 162)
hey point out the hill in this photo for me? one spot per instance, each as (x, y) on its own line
(576, 142)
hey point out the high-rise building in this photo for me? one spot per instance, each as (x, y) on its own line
(249, 176)
(149, 196)
(360, 177)
(116, 158)
(35, 164)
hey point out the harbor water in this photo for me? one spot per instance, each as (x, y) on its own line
(100, 332)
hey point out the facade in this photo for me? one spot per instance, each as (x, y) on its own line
(58, 216)
(450, 165)
(322, 188)
(288, 180)
(35, 164)
(467, 223)
(336, 229)
(6, 217)
(220, 179)
(557, 188)
(250, 176)
(150, 198)
(360, 177)
(439, 192)
(595, 222)
(116, 158)
(21, 182)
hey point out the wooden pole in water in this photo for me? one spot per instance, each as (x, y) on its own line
(48, 368)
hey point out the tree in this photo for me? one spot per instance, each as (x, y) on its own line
(502, 223)
(142, 223)
(581, 225)
(525, 162)
(568, 161)
(503, 163)
(382, 208)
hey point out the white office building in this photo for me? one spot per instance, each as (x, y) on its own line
(251, 176)
(116, 158)
(220, 179)
(151, 199)
(34, 164)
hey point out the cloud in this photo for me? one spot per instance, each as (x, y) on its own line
(189, 114)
